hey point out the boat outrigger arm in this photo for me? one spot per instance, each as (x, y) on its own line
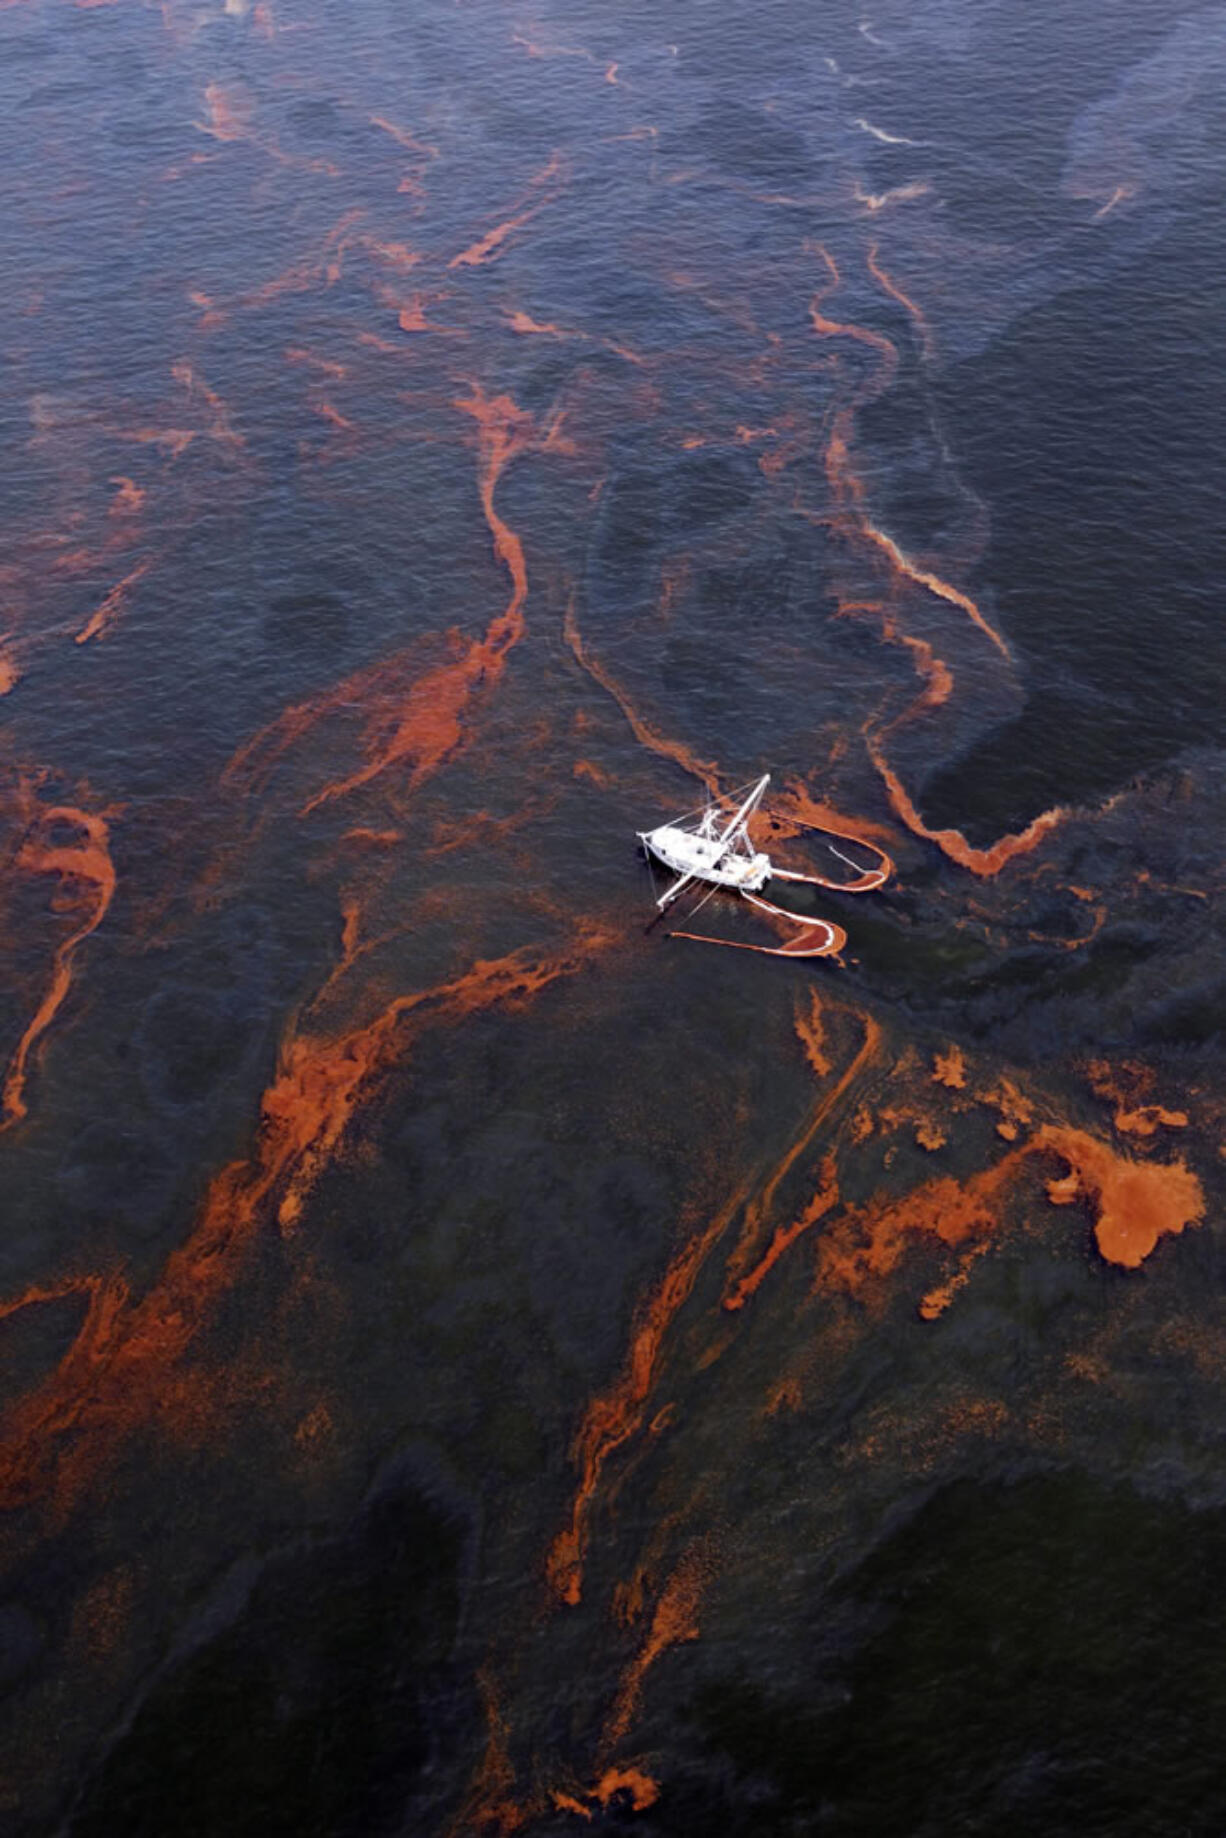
(723, 856)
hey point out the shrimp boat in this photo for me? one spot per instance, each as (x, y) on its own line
(712, 846)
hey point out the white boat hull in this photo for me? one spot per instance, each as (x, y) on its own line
(706, 858)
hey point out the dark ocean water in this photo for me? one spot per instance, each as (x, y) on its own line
(470, 1365)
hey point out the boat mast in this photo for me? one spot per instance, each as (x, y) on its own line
(731, 834)
(740, 818)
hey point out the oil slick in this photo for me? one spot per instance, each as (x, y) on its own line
(576, 475)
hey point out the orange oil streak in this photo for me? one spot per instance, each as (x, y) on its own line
(184, 373)
(104, 617)
(833, 328)
(644, 733)
(675, 1621)
(796, 805)
(86, 866)
(210, 318)
(904, 300)
(118, 1374)
(923, 577)
(615, 1416)
(395, 255)
(353, 946)
(565, 1802)
(39, 1293)
(810, 1033)
(487, 247)
(1119, 196)
(382, 692)
(953, 843)
(849, 495)
(812, 1036)
(404, 138)
(296, 355)
(742, 1287)
(174, 441)
(231, 119)
(426, 728)
(525, 323)
(10, 673)
(489, 1804)
(528, 327)
(411, 316)
(333, 417)
(612, 1418)
(825, 1197)
(327, 266)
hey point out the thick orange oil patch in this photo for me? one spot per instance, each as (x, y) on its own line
(87, 885)
(949, 1069)
(868, 1242)
(1148, 1118)
(928, 1133)
(643, 1790)
(1016, 1110)
(1127, 1086)
(1135, 1203)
